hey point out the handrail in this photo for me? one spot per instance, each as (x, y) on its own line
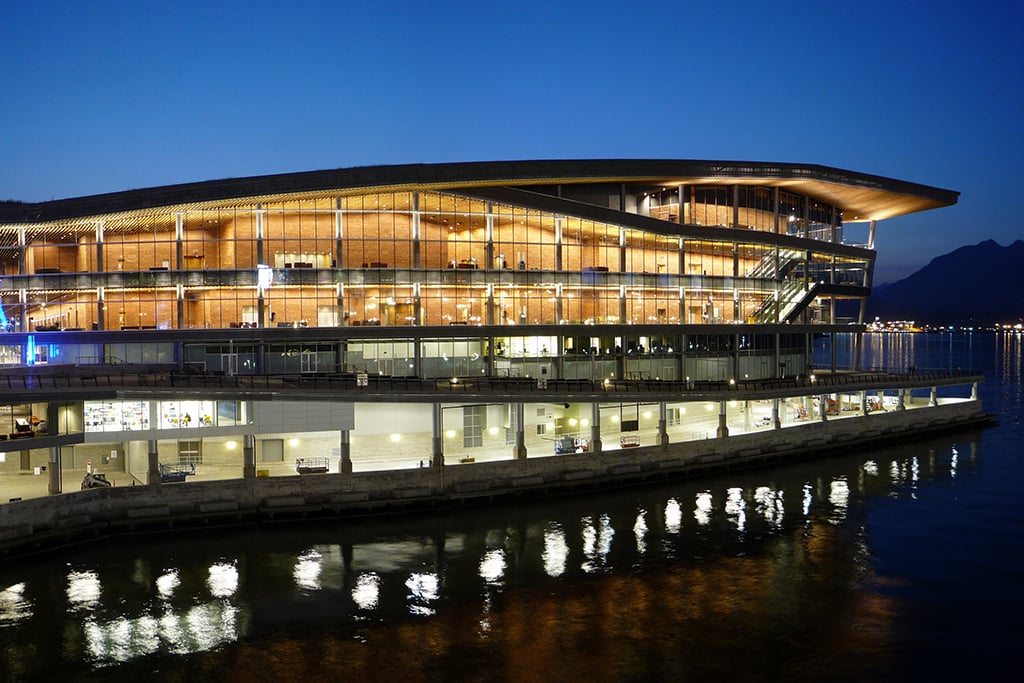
(517, 385)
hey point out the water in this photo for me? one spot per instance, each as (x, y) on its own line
(897, 564)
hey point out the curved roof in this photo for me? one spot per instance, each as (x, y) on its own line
(861, 196)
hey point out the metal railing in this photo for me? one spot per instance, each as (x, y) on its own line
(175, 380)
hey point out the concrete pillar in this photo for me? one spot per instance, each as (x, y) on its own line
(153, 466)
(248, 456)
(662, 424)
(746, 416)
(723, 428)
(25, 460)
(823, 407)
(345, 447)
(974, 391)
(437, 440)
(595, 427)
(863, 403)
(776, 422)
(53, 469)
(519, 450)
(900, 399)
(933, 398)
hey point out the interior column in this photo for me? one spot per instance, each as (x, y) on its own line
(248, 456)
(153, 463)
(662, 424)
(55, 483)
(595, 427)
(437, 441)
(519, 450)
(345, 446)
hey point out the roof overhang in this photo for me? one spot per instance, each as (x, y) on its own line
(861, 196)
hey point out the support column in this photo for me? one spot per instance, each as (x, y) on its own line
(595, 427)
(559, 221)
(519, 450)
(417, 258)
(99, 248)
(23, 322)
(260, 214)
(776, 422)
(682, 296)
(974, 391)
(723, 428)
(339, 231)
(54, 486)
(662, 424)
(623, 268)
(933, 398)
(22, 248)
(489, 363)
(490, 258)
(900, 399)
(248, 456)
(437, 439)
(864, 403)
(778, 356)
(179, 236)
(345, 447)
(823, 407)
(153, 463)
(180, 306)
(101, 316)
(746, 416)
(735, 206)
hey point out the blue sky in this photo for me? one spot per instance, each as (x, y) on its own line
(106, 96)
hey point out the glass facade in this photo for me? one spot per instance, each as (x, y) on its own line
(418, 258)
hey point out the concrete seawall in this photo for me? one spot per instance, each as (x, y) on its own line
(46, 523)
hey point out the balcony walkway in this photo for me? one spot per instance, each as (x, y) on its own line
(78, 383)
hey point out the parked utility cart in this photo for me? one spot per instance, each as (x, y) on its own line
(176, 473)
(312, 465)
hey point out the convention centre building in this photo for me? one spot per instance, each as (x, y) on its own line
(406, 317)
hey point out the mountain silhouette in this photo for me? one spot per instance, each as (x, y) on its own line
(972, 285)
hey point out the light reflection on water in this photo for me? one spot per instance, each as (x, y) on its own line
(556, 550)
(205, 602)
(13, 605)
(782, 574)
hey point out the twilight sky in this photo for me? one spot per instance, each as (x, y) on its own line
(109, 95)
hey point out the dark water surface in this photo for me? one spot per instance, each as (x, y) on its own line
(901, 563)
